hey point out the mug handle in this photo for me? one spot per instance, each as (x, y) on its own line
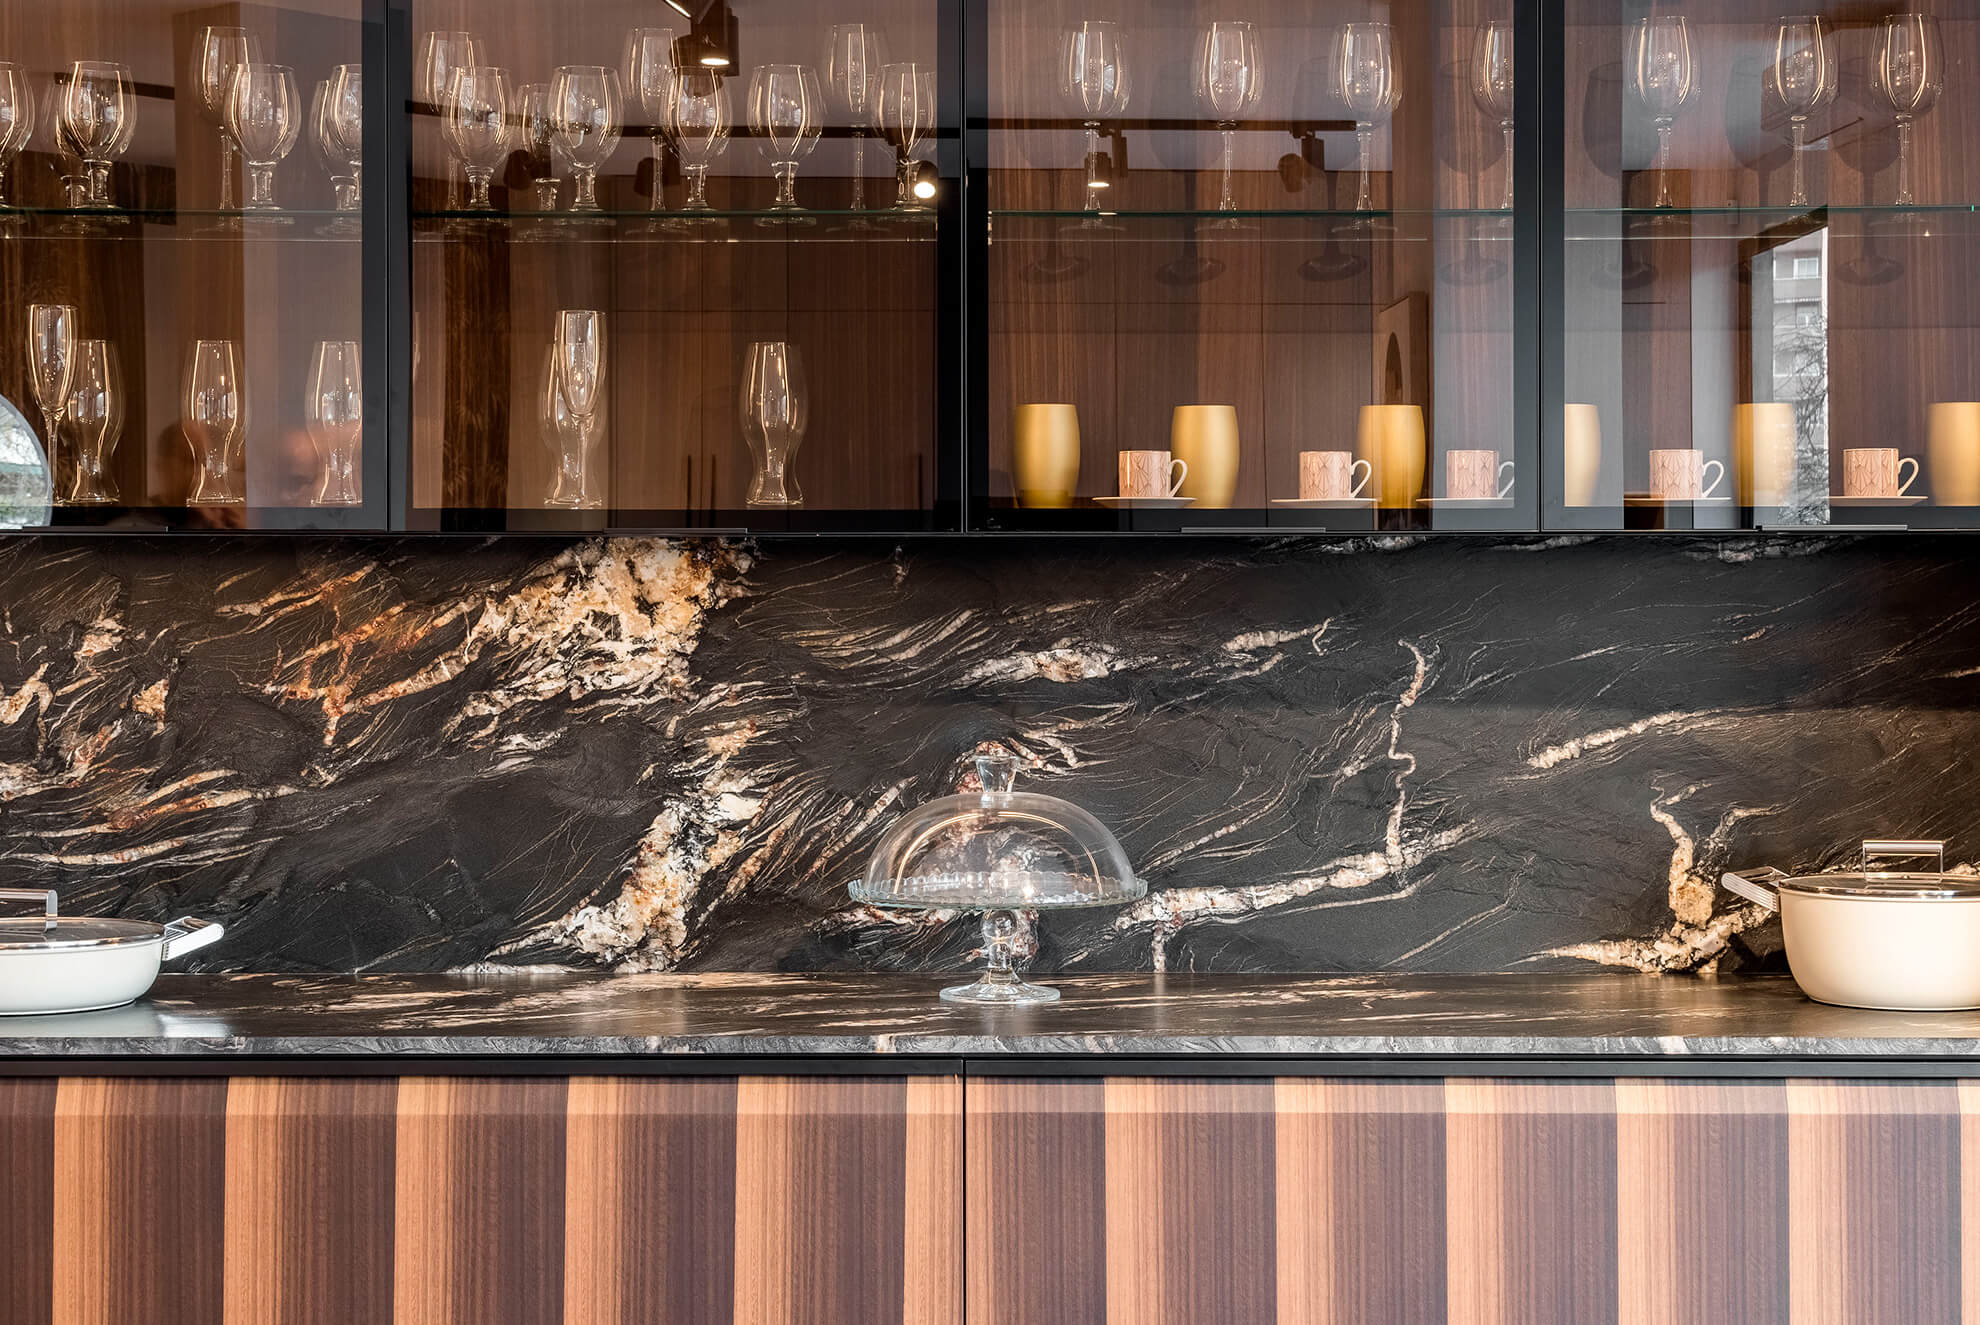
(1904, 484)
(1709, 488)
(1367, 472)
(1506, 484)
(1178, 464)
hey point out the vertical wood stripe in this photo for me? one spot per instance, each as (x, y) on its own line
(27, 1200)
(932, 1253)
(1036, 1222)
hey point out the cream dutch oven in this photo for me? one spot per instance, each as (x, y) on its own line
(57, 963)
(1878, 938)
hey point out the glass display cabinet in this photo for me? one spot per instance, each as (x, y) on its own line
(682, 265)
(1252, 266)
(1766, 282)
(188, 333)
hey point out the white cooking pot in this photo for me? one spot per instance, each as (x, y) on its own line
(57, 963)
(1906, 940)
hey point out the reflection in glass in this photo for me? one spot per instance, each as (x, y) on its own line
(265, 117)
(98, 111)
(213, 422)
(216, 58)
(1911, 72)
(479, 127)
(338, 129)
(650, 81)
(773, 410)
(51, 367)
(902, 119)
(334, 414)
(699, 121)
(787, 114)
(1226, 83)
(578, 372)
(853, 62)
(589, 113)
(442, 54)
(1094, 82)
(539, 130)
(16, 119)
(1492, 87)
(1804, 78)
(1369, 89)
(96, 419)
(1664, 77)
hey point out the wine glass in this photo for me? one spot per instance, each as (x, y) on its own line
(1803, 75)
(213, 422)
(97, 110)
(1492, 87)
(1911, 72)
(442, 54)
(1225, 77)
(479, 127)
(854, 56)
(1369, 88)
(96, 417)
(587, 112)
(265, 117)
(538, 134)
(1663, 75)
(16, 119)
(334, 414)
(650, 81)
(51, 366)
(578, 371)
(773, 409)
(1094, 81)
(902, 119)
(787, 114)
(338, 128)
(217, 55)
(698, 120)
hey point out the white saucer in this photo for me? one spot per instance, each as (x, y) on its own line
(1652, 499)
(1467, 503)
(1911, 500)
(1325, 503)
(1145, 503)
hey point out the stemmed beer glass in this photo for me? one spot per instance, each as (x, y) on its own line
(787, 114)
(480, 128)
(96, 417)
(219, 53)
(852, 73)
(265, 117)
(650, 76)
(588, 113)
(16, 119)
(698, 121)
(903, 111)
(1225, 78)
(333, 411)
(98, 109)
(338, 128)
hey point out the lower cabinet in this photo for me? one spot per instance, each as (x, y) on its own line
(991, 1199)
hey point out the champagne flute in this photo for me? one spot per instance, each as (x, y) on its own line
(1492, 87)
(97, 109)
(213, 421)
(338, 127)
(1911, 72)
(442, 54)
(16, 119)
(479, 127)
(1369, 88)
(1663, 75)
(217, 55)
(774, 409)
(1803, 75)
(854, 57)
(699, 121)
(579, 371)
(902, 119)
(265, 116)
(96, 417)
(51, 367)
(650, 81)
(1225, 76)
(588, 112)
(571, 486)
(1094, 81)
(539, 126)
(787, 114)
(334, 414)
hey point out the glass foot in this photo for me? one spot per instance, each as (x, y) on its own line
(1006, 992)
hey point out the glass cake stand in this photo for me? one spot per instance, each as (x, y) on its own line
(999, 852)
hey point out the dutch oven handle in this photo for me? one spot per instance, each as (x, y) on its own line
(46, 896)
(189, 934)
(1761, 886)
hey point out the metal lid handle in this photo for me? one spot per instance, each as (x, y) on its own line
(46, 896)
(1761, 887)
(1882, 848)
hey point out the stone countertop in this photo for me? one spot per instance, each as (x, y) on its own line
(524, 1014)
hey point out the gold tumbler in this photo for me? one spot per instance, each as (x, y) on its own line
(1045, 455)
(1952, 444)
(1391, 439)
(1763, 453)
(1205, 437)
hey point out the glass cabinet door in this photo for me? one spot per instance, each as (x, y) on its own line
(182, 333)
(1248, 266)
(1771, 318)
(678, 265)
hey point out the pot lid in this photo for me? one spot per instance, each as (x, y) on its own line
(1871, 882)
(49, 930)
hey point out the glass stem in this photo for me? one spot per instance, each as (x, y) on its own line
(904, 194)
(587, 190)
(478, 182)
(1092, 151)
(659, 175)
(786, 184)
(1000, 947)
(5, 167)
(1798, 197)
(1506, 128)
(1904, 195)
(697, 186)
(1224, 201)
(261, 187)
(1364, 138)
(859, 171)
(1664, 198)
(226, 171)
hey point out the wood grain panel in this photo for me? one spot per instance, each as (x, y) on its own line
(1037, 1190)
(27, 1200)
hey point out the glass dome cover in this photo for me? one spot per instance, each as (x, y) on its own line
(998, 851)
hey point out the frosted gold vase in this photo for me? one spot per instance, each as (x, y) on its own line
(1205, 437)
(1763, 453)
(1391, 439)
(1952, 445)
(1045, 455)
(1581, 454)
